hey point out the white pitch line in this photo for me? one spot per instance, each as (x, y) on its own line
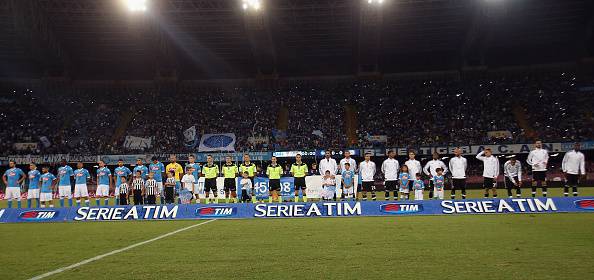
(62, 269)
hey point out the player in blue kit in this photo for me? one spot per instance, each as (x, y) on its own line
(348, 179)
(81, 175)
(418, 186)
(47, 187)
(404, 180)
(196, 173)
(120, 171)
(64, 183)
(13, 177)
(33, 191)
(157, 168)
(438, 183)
(142, 168)
(103, 183)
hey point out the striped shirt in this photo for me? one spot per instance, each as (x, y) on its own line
(151, 187)
(124, 188)
(171, 181)
(138, 183)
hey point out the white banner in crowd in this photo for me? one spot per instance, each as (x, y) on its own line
(133, 142)
(217, 142)
(377, 138)
(45, 141)
(25, 146)
(258, 140)
(190, 136)
(499, 134)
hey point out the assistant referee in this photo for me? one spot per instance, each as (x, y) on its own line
(210, 171)
(230, 174)
(299, 169)
(274, 171)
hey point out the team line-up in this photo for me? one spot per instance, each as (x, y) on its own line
(145, 184)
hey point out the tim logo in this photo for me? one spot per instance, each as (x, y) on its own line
(36, 215)
(401, 208)
(216, 211)
(586, 204)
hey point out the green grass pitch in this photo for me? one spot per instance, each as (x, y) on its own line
(519, 246)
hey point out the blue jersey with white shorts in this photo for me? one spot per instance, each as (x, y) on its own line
(13, 175)
(348, 177)
(158, 169)
(103, 176)
(438, 182)
(64, 173)
(46, 182)
(81, 176)
(34, 179)
(404, 179)
(418, 185)
(121, 171)
(143, 171)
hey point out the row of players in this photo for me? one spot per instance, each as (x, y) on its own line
(41, 185)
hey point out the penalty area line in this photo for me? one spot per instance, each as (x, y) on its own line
(62, 269)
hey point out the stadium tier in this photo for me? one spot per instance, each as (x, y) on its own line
(308, 115)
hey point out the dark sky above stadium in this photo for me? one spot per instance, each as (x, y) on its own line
(205, 39)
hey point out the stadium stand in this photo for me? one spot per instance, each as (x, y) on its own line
(408, 112)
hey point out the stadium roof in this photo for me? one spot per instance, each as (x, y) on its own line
(204, 39)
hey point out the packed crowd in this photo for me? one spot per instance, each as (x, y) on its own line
(300, 115)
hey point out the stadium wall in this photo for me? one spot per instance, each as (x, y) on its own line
(468, 150)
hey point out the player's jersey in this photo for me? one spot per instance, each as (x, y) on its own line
(538, 159)
(348, 177)
(229, 171)
(143, 171)
(189, 181)
(329, 181)
(418, 185)
(170, 181)
(103, 176)
(438, 181)
(249, 168)
(246, 184)
(64, 174)
(138, 183)
(176, 168)
(157, 169)
(34, 179)
(210, 171)
(151, 187)
(81, 176)
(121, 171)
(123, 188)
(274, 172)
(299, 170)
(46, 182)
(13, 175)
(196, 172)
(404, 179)
(414, 167)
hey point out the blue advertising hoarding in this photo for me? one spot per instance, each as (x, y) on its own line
(290, 210)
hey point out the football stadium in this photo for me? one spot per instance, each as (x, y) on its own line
(296, 139)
